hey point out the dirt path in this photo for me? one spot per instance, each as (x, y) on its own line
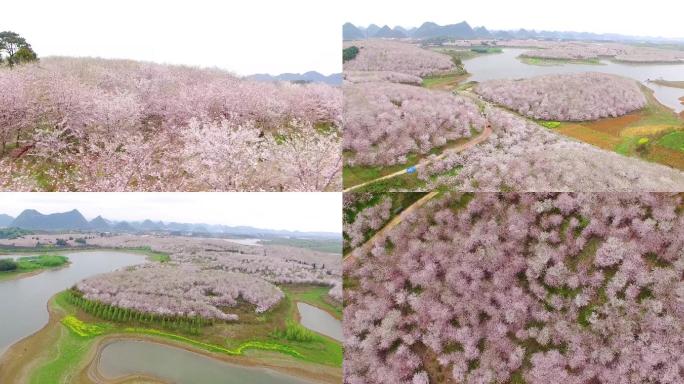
(365, 247)
(455, 149)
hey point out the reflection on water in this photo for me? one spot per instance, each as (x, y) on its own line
(506, 66)
(127, 357)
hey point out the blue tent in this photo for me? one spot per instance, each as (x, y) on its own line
(411, 169)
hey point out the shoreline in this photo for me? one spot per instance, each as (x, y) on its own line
(22, 275)
(27, 252)
(314, 374)
(19, 359)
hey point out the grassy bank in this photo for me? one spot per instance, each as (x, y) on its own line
(147, 251)
(28, 265)
(543, 61)
(320, 245)
(668, 83)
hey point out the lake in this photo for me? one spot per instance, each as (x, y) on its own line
(506, 66)
(320, 321)
(246, 241)
(129, 357)
(23, 302)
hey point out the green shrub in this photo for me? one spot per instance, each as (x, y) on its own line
(296, 332)
(349, 53)
(8, 265)
(550, 124)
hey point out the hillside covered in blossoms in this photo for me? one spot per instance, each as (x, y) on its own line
(414, 123)
(576, 97)
(513, 288)
(115, 125)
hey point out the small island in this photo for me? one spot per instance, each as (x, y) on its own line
(15, 268)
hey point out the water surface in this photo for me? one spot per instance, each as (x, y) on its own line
(506, 65)
(128, 357)
(320, 321)
(23, 302)
(246, 241)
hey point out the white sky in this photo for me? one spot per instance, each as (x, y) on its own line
(304, 211)
(245, 37)
(640, 18)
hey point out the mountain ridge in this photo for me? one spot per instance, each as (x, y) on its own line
(463, 30)
(307, 77)
(31, 219)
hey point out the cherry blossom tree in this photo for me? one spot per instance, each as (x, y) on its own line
(114, 125)
(545, 287)
(386, 55)
(567, 97)
(385, 122)
(523, 156)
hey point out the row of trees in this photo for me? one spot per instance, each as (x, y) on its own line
(192, 325)
(548, 287)
(15, 50)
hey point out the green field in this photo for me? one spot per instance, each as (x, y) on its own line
(673, 140)
(668, 83)
(546, 61)
(654, 133)
(320, 245)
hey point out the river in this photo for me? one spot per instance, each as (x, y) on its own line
(320, 321)
(23, 301)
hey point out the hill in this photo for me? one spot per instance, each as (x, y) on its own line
(351, 32)
(32, 219)
(463, 30)
(307, 77)
(100, 224)
(428, 30)
(387, 32)
(5, 220)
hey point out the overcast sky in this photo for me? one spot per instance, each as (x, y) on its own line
(310, 211)
(245, 37)
(640, 18)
